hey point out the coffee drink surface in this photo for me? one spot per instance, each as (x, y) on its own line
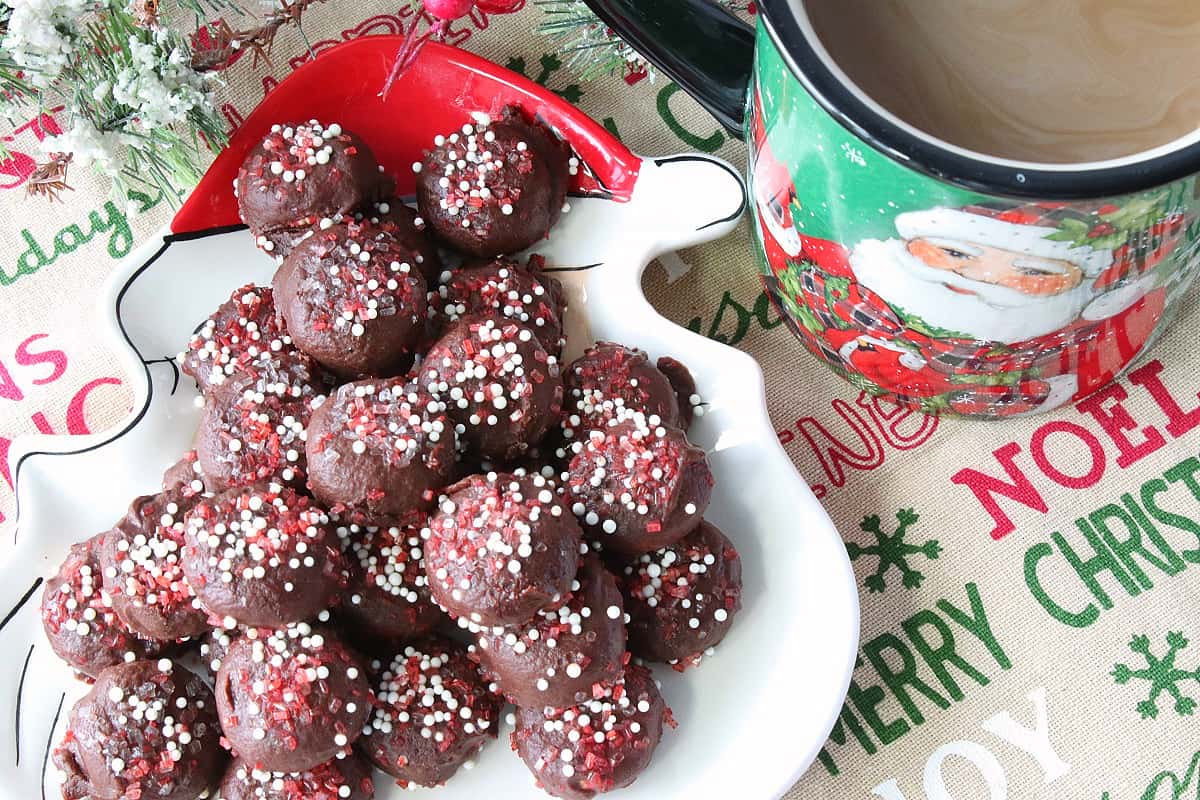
(1060, 81)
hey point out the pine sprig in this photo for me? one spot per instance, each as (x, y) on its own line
(225, 42)
(13, 87)
(590, 47)
(12, 84)
(136, 97)
(160, 157)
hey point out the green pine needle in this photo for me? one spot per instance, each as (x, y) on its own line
(593, 48)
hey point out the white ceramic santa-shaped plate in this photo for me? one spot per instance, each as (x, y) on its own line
(752, 717)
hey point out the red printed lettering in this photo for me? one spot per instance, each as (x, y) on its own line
(986, 487)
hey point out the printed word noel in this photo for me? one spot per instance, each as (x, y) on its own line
(1132, 439)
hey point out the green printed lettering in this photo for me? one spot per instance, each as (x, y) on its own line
(1079, 619)
(944, 653)
(1125, 549)
(866, 703)
(846, 719)
(1102, 561)
(897, 679)
(120, 241)
(30, 261)
(1150, 490)
(976, 623)
(706, 144)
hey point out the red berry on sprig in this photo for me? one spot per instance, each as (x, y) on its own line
(449, 10)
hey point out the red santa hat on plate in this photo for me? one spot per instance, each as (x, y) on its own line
(1020, 230)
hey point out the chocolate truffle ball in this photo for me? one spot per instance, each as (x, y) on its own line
(505, 289)
(291, 699)
(682, 599)
(433, 713)
(388, 599)
(555, 658)
(380, 449)
(609, 380)
(147, 729)
(252, 437)
(597, 746)
(244, 341)
(410, 230)
(498, 382)
(353, 298)
(496, 186)
(78, 617)
(637, 488)
(346, 778)
(301, 174)
(141, 563)
(262, 555)
(500, 548)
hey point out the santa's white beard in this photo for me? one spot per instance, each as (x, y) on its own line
(992, 313)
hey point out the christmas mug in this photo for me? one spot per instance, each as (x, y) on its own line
(946, 280)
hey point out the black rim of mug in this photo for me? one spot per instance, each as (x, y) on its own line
(928, 156)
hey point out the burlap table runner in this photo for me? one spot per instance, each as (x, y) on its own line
(1029, 588)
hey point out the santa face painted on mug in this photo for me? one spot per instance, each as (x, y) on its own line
(978, 277)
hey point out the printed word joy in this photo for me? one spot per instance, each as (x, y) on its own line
(1032, 741)
(1054, 447)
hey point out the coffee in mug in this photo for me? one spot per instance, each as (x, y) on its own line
(1052, 81)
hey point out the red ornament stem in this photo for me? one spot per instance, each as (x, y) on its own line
(404, 56)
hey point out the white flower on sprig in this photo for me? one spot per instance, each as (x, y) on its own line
(42, 36)
(159, 86)
(136, 95)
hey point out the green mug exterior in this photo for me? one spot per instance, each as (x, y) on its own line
(989, 293)
(945, 299)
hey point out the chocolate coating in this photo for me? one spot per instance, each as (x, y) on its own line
(434, 713)
(185, 477)
(682, 599)
(379, 450)
(388, 599)
(303, 173)
(353, 298)
(500, 548)
(638, 488)
(146, 729)
(498, 382)
(554, 659)
(262, 555)
(78, 617)
(251, 438)
(346, 778)
(685, 388)
(496, 186)
(629, 714)
(140, 560)
(410, 230)
(245, 343)
(608, 381)
(292, 699)
(504, 288)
